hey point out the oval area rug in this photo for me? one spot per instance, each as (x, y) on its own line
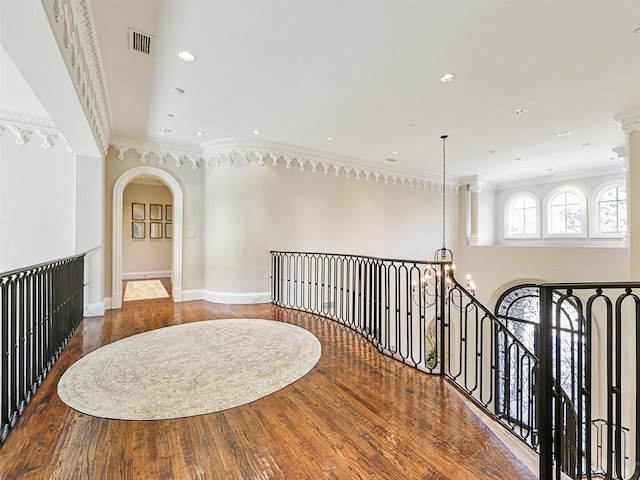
(189, 369)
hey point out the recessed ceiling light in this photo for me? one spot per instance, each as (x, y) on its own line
(517, 159)
(392, 160)
(187, 56)
(170, 115)
(550, 169)
(165, 130)
(519, 111)
(256, 132)
(177, 91)
(447, 77)
(411, 125)
(330, 139)
(199, 132)
(492, 151)
(637, 30)
(564, 134)
(586, 144)
(394, 153)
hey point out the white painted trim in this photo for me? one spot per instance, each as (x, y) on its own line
(94, 309)
(107, 303)
(189, 295)
(118, 191)
(144, 275)
(237, 298)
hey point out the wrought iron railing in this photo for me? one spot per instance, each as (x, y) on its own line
(602, 340)
(417, 312)
(399, 306)
(40, 306)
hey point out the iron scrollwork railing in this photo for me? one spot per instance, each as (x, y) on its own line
(400, 305)
(602, 382)
(41, 306)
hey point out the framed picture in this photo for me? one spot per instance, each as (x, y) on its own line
(156, 230)
(168, 230)
(137, 211)
(155, 211)
(169, 213)
(137, 230)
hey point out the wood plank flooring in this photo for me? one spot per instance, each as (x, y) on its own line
(356, 415)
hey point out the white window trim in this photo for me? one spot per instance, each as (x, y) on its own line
(507, 216)
(595, 218)
(546, 216)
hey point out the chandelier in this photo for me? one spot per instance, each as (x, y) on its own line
(439, 275)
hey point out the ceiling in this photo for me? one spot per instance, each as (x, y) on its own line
(367, 75)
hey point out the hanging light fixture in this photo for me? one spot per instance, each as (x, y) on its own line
(443, 257)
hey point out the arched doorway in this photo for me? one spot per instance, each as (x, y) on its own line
(118, 191)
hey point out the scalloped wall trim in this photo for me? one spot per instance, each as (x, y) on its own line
(25, 127)
(76, 21)
(243, 152)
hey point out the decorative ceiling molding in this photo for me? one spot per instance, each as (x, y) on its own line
(25, 126)
(145, 147)
(230, 151)
(79, 39)
(629, 122)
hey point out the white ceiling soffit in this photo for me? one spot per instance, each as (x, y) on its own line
(27, 38)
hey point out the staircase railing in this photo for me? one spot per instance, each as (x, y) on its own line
(418, 313)
(40, 307)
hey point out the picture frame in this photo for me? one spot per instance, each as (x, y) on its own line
(168, 213)
(155, 211)
(168, 230)
(137, 211)
(155, 230)
(137, 230)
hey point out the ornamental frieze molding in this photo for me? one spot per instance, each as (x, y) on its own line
(146, 148)
(26, 127)
(244, 152)
(73, 21)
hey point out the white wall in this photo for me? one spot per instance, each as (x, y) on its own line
(191, 182)
(147, 257)
(37, 202)
(252, 209)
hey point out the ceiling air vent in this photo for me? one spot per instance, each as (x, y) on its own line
(140, 42)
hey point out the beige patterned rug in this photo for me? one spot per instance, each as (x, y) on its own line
(189, 369)
(144, 289)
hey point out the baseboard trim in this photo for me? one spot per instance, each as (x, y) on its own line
(94, 309)
(144, 275)
(189, 295)
(237, 298)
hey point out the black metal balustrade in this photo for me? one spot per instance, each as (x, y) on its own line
(417, 312)
(41, 307)
(602, 382)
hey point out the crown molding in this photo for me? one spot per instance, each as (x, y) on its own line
(75, 19)
(24, 126)
(232, 150)
(617, 169)
(629, 122)
(144, 147)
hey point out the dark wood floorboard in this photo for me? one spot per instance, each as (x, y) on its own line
(356, 415)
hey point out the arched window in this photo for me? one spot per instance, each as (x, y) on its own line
(518, 309)
(610, 209)
(522, 216)
(566, 213)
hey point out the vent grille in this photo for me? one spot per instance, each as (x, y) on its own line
(140, 42)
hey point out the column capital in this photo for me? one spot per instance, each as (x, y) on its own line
(475, 183)
(629, 122)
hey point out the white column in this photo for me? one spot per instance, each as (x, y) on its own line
(474, 187)
(631, 126)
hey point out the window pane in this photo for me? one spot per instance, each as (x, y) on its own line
(612, 210)
(522, 215)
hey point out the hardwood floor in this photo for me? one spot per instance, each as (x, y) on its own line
(356, 415)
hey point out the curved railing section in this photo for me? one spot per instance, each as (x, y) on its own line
(400, 305)
(41, 307)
